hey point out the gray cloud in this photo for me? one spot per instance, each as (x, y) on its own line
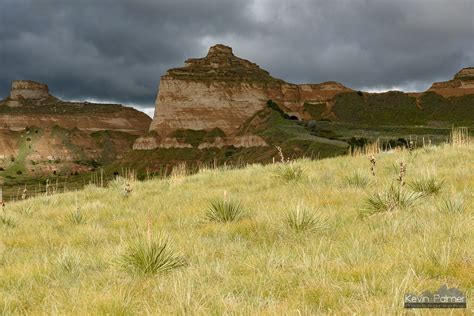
(116, 50)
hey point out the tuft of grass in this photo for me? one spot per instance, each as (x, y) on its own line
(427, 186)
(25, 210)
(68, 262)
(289, 172)
(304, 220)
(455, 205)
(357, 180)
(224, 211)
(76, 217)
(394, 198)
(150, 257)
(7, 221)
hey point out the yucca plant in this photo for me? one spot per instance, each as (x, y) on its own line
(304, 220)
(404, 199)
(225, 211)
(76, 217)
(289, 172)
(455, 205)
(357, 180)
(394, 198)
(427, 186)
(150, 256)
(378, 202)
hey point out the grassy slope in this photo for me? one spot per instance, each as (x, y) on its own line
(257, 265)
(395, 108)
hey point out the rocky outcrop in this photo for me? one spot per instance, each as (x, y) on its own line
(223, 91)
(26, 89)
(30, 104)
(461, 84)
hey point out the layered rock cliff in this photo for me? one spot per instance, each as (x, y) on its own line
(224, 91)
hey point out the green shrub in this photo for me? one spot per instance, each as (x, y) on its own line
(272, 105)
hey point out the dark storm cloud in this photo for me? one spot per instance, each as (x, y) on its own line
(118, 49)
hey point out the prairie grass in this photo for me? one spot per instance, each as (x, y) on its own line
(255, 265)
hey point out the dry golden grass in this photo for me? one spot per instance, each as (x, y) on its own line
(258, 265)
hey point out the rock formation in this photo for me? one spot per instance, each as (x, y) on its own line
(224, 91)
(30, 104)
(461, 84)
(41, 134)
(26, 89)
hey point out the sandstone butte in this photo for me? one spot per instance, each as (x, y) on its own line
(222, 91)
(41, 134)
(31, 104)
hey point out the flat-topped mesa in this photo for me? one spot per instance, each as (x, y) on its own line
(461, 84)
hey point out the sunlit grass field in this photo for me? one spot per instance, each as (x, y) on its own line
(306, 237)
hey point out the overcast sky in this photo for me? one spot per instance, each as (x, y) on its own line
(116, 50)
